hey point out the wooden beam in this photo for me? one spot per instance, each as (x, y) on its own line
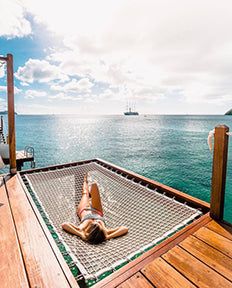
(11, 114)
(12, 271)
(163, 275)
(208, 255)
(219, 172)
(221, 243)
(133, 267)
(193, 269)
(136, 281)
(48, 235)
(42, 266)
(221, 229)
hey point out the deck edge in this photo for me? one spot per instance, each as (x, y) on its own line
(133, 267)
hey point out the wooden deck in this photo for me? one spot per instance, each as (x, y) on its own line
(203, 259)
(21, 158)
(28, 257)
(200, 255)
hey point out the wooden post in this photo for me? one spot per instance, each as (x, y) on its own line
(219, 172)
(11, 114)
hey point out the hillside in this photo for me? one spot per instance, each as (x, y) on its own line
(229, 112)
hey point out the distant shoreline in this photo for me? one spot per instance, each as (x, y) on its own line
(6, 113)
(108, 115)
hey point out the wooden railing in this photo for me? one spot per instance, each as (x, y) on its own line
(219, 172)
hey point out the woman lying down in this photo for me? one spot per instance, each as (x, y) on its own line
(92, 227)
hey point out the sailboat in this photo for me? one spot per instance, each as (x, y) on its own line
(130, 112)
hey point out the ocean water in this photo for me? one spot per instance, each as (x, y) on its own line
(169, 149)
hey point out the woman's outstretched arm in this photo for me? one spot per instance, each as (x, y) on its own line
(116, 232)
(72, 229)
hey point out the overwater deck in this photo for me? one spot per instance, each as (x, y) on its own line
(23, 156)
(199, 255)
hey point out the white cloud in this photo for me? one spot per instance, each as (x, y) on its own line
(65, 97)
(40, 71)
(24, 84)
(31, 94)
(82, 86)
(33, 108)
(4, 89)
(3, 105)
(12, 21)
(146, 50)
(106, 94)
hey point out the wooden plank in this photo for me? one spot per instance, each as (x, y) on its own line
(193, 269)
(215, 240)
(220, 228)
(210, 256)
(20, 155)
(42, 267)
(52, 243)
(162, 275)
(195, 202)
(131, 268)
(54, 167)
(12, 272)
(219, 172)
(136, 281)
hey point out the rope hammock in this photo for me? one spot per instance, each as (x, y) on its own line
(150, 216)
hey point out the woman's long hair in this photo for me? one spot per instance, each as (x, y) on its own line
(96, 234)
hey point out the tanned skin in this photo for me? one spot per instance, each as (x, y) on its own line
(82, 230)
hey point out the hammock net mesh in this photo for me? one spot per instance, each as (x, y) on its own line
(149, 215)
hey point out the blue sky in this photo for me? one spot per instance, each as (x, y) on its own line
(85, 57)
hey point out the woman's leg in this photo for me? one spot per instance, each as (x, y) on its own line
(85, 197)
(95, 198)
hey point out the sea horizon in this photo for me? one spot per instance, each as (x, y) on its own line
(116, 114)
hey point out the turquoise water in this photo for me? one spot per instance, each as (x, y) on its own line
(169, 149)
